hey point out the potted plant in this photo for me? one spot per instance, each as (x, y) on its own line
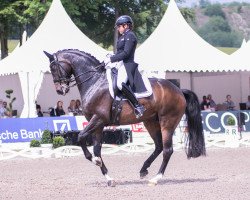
(35, 143)
(46, 140)
(58, 141)
(231, 131)
(231, 121)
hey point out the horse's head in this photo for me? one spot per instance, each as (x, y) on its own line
(61, 71)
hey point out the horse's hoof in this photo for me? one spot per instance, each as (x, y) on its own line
(152, 183)
(143, 174)
(111, 183)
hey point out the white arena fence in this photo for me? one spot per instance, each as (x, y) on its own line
(141, 143)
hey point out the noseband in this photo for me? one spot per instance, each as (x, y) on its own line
(69, 79)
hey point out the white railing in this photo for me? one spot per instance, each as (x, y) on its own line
(140, 144)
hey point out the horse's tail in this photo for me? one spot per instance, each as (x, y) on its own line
(195, 143)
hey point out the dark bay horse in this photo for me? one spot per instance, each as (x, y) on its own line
(164, 109)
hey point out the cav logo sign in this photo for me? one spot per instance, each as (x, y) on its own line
(61, 125)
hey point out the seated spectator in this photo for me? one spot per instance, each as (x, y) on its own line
(205, 105)
(79, 110)
(72, 107)
(59, 109)
(7, 110)
(229, 103)
(248, 103)
(211, 102)
(2, 109)
(39, 110)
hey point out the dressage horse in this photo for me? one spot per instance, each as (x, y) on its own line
(164, 109)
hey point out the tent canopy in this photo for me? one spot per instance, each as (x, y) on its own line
(56, 32)
(175, 46)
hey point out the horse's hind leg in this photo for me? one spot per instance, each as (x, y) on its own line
(154, 130)
(167, 152)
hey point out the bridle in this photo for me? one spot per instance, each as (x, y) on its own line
(69, 78)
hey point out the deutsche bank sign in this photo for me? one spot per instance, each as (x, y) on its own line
(24, 130)
(61, 125)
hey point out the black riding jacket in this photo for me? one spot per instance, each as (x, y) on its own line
(125, 48)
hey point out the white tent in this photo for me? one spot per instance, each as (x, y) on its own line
(56, 32)
(175, 46)
(241, 57)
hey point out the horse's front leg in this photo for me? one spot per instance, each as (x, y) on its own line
(95, 127)
(97, 138)
(92, 126)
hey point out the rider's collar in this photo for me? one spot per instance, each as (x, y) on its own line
(127, 30)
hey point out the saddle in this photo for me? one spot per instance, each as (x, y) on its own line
(112, 74)
(118, 97)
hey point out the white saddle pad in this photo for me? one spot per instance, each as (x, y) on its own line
(138, 95)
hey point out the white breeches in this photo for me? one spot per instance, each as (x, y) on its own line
(122, 76)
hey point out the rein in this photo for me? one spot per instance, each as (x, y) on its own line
(73, 79)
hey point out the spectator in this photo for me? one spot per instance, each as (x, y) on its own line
(204, 104)
(7, 112)
(229, 103)
(248, 103)
(72, 107)
(2, 109)
(79, 110)
(39, 110)
(211, 102)
(59, 109)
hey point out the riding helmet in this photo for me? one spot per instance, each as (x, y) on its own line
(124, 19)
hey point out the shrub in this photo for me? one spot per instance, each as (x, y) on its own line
(58, 141)
(35, 143)
(46, 137)
(231, 121)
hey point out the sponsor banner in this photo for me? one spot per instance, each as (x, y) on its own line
(215, 122)
(82, 122)
(26, 129)
(138, 128)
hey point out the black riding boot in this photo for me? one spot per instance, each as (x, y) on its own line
(139, 109)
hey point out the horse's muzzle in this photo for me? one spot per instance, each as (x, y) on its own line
(61, 89)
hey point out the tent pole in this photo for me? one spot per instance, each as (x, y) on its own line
(191, 81)
(28, 94)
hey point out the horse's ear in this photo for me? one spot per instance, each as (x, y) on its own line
(51, 57)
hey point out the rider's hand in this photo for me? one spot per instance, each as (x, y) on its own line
(107, 61)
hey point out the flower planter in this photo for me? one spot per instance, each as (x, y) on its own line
(232, 136)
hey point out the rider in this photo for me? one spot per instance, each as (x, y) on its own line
(125, 51)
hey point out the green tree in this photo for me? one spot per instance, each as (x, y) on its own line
(16, 15)
(214, 10)
(188, 14)
(218, 32)
(204, 3)
(216, 24)
(6, 15)
(97, 18)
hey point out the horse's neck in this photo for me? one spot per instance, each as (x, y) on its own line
(90, 83)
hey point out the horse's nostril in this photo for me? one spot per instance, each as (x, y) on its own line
(59, 92)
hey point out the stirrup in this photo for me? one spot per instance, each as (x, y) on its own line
(139, 110)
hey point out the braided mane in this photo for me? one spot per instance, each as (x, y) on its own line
(79, 53)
